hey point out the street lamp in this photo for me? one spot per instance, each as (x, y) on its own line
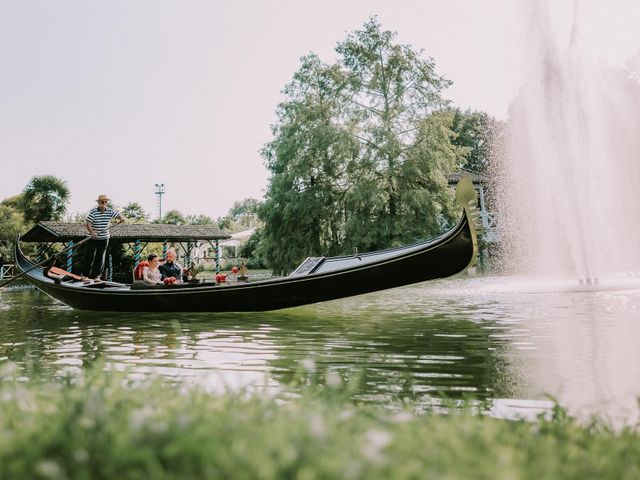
(159, 193)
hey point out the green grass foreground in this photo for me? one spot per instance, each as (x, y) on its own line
(103, 427)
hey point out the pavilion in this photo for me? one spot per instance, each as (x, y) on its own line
(136, 236)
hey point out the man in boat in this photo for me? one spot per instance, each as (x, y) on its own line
(97, 224)
(170, 268)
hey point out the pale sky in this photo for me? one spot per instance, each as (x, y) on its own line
(116, 96)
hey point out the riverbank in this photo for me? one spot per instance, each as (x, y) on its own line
(105, 426)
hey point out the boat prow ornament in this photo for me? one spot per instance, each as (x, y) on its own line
(467, 199)
(317, 279)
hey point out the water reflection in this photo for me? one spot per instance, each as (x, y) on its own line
(576, 343)
(505, 340)
(395, 348)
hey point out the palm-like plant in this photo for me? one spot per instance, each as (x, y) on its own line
(44, 198)
(134, 211)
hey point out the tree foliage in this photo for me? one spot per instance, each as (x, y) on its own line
(250, 250)
(245, 212)
(241, 216)
(475, 131)
(44, 198)
(12, 222)
(135, 213)
(199, 220)
(174, 217)
(309, 158)
(360, 152)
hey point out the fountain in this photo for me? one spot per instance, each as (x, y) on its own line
(570, 179)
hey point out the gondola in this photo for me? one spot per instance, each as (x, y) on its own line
(317, 279)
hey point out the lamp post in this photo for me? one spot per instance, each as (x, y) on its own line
(159, 193)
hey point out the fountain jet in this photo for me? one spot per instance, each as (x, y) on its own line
(570, 175)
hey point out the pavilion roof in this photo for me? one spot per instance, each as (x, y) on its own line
(127, 232)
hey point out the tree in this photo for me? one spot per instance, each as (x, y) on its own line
(134, 212)
(349, 161)
(393, 90)
(12, 223)
(44, 198)
(173, 217)
(15, 202)
(226, 223)
(251, 250)
(245, 212)
(199, 220)
(475, 132)
(241, 216)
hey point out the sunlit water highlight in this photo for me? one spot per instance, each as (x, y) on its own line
(511, 341)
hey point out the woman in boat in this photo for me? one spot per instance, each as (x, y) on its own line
(151, 275)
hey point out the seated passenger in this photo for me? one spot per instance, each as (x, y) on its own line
(170, 268)
(151, 275)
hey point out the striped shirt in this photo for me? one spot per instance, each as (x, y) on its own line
(100, 221)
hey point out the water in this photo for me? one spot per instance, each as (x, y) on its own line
(507, 340)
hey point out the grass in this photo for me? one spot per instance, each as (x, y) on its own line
(104, 426)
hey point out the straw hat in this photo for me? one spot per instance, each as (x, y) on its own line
(103, 197)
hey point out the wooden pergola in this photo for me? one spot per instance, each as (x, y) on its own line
(136, 236)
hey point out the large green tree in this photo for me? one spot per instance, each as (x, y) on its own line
(360, 152)
(44, 198)
(393, 89)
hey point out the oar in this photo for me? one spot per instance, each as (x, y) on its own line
(45, 261)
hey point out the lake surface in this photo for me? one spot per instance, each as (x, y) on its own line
(510, 341)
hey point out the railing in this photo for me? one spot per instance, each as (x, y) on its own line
(491, 227)
(7, 271)
(489, 220)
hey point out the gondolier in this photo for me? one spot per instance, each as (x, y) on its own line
(97, 223)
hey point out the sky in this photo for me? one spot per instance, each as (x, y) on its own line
(117, 96)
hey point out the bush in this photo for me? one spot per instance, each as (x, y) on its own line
(106, 426)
